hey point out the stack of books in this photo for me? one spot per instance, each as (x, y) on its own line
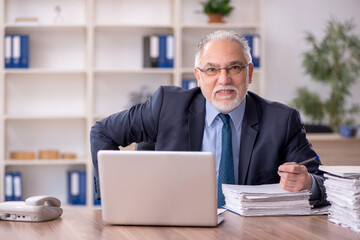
(342, 185)
(265, 200)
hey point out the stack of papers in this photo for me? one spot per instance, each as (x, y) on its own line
(342, 185)
(265, 200)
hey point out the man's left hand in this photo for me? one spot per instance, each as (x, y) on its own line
(294, 177)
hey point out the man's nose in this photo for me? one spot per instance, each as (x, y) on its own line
(223, 77)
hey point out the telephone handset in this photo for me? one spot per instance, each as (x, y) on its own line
(34, 209)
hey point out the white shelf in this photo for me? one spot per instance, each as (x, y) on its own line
(64, 135)
(29, 71)
(213, 26)
(49, 162)
(87, 67)
(139, 12)
(133, 26)
(39, 26)
(73, 12)
(143, 71)
(44, 117)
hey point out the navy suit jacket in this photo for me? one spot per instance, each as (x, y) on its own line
(174, 118)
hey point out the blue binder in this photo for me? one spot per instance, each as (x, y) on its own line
(24, 52)
(254, 44)
(8, 51)
(76, 187)
(188, 83)
(162, 51)
(13, 186)
(73, 187)
(170, 51)
(20, 51)
(16, 51)
(82, 197)
(17, 184)
(9, 187)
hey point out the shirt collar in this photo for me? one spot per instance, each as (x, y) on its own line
(236, 115)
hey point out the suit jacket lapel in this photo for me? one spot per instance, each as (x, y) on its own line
(249, 133)
(250, 124)
(196, 120)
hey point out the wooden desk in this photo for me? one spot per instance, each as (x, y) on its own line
(83, 223)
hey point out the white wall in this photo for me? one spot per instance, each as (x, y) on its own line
(285, 24)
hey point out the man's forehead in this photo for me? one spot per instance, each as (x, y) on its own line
(222, 52)
(221, 47)
(222, 42)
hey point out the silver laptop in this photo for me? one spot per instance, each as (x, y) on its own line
(158, 188)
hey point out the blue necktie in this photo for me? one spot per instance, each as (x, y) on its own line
(226, 169)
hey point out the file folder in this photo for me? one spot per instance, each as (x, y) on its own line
(9, 187)
(154, 50)
(150, 54)
(17, 184)
(170, 51)
(158, 51)
(162, 51)
(188, 83)
(146, 52)
(16, 50)
(8, 51)
(24, 51)
(20, 51)
(82, 188)
(254, 44)
(77, 187)
(73, 187)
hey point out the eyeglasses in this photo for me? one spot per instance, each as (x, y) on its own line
(215, 71)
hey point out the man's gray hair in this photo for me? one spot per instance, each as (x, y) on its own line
(222, 35)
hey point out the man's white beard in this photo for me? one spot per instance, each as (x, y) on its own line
(226, 107)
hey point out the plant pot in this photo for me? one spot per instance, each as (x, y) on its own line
(215, 18)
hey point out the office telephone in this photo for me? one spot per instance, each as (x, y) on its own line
(34, 209)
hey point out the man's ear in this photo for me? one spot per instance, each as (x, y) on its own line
(197, 75)
(251, 70)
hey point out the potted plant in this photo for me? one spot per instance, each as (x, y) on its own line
(216, 10)
(335, 62)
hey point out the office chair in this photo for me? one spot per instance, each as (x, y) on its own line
(145, 146)
(312, 128)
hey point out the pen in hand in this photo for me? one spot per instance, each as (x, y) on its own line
(316, 158)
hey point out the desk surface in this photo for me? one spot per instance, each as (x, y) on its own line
(82, 223)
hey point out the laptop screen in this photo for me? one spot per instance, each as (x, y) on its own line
(158, 188)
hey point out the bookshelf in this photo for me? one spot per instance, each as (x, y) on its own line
(85, 68)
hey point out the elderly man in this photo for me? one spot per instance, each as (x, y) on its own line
(255, 141)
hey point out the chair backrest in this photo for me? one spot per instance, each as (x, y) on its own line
(311, 128)
(145, 146)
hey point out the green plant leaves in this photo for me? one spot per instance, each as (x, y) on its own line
(217, 7)
(309, 103)
(334, 61)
